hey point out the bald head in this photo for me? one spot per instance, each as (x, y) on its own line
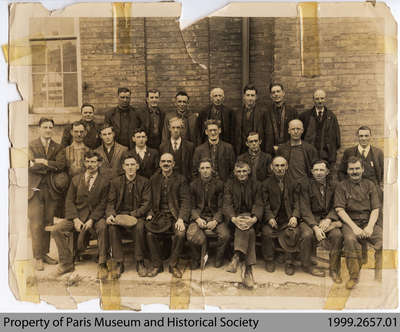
(295, 130)
(279, 166)
(319, 98)
(217, 96)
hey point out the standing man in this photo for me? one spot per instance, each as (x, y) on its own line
(147, 157)
(46, 160)
(191, 126)
(357, 204)
(299, 154)
(74, 153)
(319, 217)
(371, 157)
(152, 118)
(258, 160)
(123, 118)
(242, 197)
(84, 212)
(180, 148)
(281, 214)
(111, 152)
(218, 111)
(92, 139)
(169, 214)
(207, 194)
(129, 202)
(321, 128)
(248, 119)
(219, 152)
(277, 119)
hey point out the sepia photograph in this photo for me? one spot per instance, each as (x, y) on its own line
(246, 161)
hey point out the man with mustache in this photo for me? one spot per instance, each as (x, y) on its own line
(75, 152)
(170, 207)
(84, 212)
(357, 204)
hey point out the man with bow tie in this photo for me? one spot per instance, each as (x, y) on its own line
(277, 119)
(218, 111)
(321, 128)
(84, 213)
(46, 158)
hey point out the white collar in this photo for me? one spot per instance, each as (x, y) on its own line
(361, 149)
(140, 150)
(178, 141)
(45, 141)
(94, 176)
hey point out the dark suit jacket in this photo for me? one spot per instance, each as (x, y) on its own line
(144, 114)
(41, 173)
(178, 195)
(226, 125)
(149, 164)
(272, 198)
(259, 126)
(84, 204)
(330, 140)
(113, 168)
(232, 198)
(270, 137)
(314, 206)
(310, 154)
(193, 130)
(263, 167)
(142, 196)
(377, 157)
(91, 140)
(113, 118)
(187, 157)
(225, 157)
(215, 196)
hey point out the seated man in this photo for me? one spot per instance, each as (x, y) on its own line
(281, 201)
(84, 211)
(170, 211)
(357, 204)
(147, 158)
(242, 196)
(319, 215)
(207, 193)
(258, 160)
(128, 203)
(111, 152)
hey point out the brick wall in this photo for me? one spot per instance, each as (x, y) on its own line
(351, 71)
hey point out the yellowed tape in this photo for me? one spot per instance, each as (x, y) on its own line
(309, 30)
(19, 157)
(180, 291)
(26, 281)
(110, 295)
(338, 294)
(386, 45)
(122, 43)
(390, 147)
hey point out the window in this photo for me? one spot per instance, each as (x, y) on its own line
(55, 78)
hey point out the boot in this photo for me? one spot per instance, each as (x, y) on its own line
(232, 267)
(353, 266)
(334, 267)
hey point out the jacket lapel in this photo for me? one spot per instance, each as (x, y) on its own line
(121, 190)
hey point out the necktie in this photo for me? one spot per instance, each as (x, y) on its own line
(319, 116)
(322, 190)
(89, 181)
(47, 146)
(281, 185)
(175, 146)
(364, 153)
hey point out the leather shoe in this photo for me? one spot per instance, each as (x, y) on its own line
(175, 271)
(62, 269)
(314, 271)
(270, 266)
(248, 279)
(38, 265)
(141, 269)
(102, 271)
(219, 261)
(154, 271)
(117, 271)
(337, 279)
(233, 265)
(194, 264)
(289, 269)
(351, 283)
(48, 260)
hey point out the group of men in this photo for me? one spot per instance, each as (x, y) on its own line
(185, 177)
